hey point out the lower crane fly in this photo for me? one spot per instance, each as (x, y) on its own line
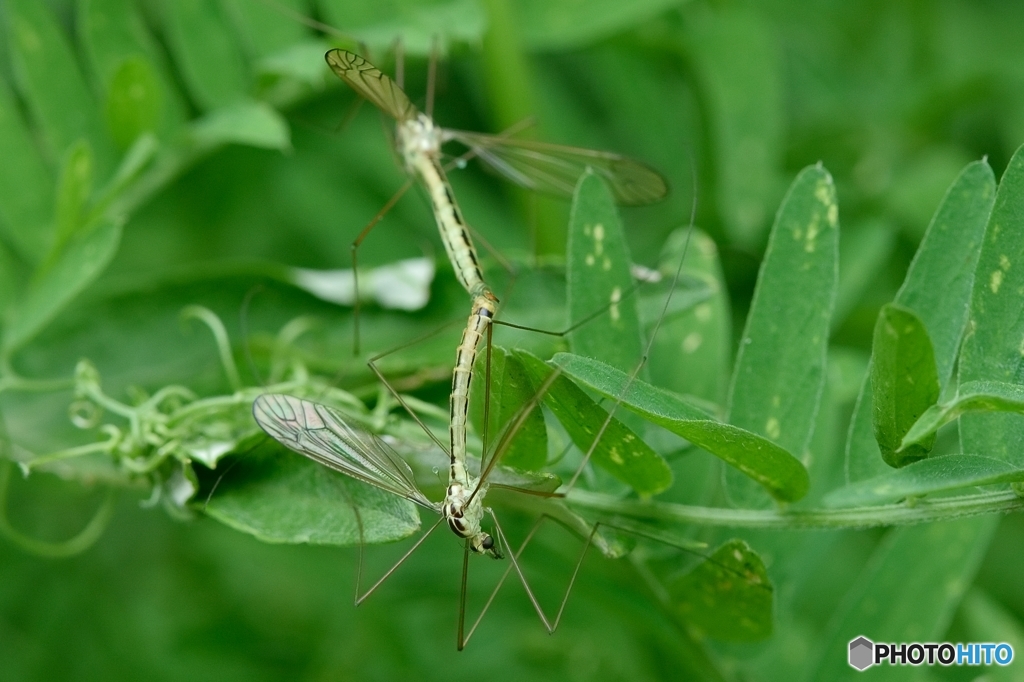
(322, 434)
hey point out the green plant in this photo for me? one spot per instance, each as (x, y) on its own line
(161, 168)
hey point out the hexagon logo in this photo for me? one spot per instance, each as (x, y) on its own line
(861, 650)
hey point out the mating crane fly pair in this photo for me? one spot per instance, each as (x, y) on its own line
(319, 432)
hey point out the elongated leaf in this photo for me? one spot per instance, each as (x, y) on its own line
(73, 190)
(560, 24)
(134, 101)
(691, 353)
(420, 25)
(249, 123)
(83, 259)
(988, 620)
(744, 94)
(8, 282)
(510, 390)
(863, 254)
(992, 349)
(974, 396)
(903, 382)
(207, 53)
(779, 472)
(599, 279)
(907, 592)
(266, 28)
(620, 452)
(26, 188)
(279, 496)
(924, 477)
(780, 369)
(51, 81)
(134, 79)
(728, 597)
(937, 288)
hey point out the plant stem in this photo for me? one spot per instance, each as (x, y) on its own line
(921, 511)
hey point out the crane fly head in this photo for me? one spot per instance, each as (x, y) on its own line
(483, 543)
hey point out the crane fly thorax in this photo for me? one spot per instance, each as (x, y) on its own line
(418, 137)
(463, 511)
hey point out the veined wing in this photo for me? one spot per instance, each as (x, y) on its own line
(556, 168)
(320, 433)
(371, 83)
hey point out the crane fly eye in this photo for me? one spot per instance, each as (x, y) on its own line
(488, 542)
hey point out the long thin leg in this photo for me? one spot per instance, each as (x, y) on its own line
(399, 64)
(549, 624)
(579, 323)
(355, 261)
(513, 563)
(361, 599)
(462, 598)
(243, 325)
(372, 363)
(431, 78)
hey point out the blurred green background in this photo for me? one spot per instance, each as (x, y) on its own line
(263, 160)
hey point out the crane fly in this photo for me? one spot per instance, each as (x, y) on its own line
(322, 434)
(536, 165)
(540, 166)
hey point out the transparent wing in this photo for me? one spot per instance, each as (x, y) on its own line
(556, 168)
(368, 81)
(320, 433)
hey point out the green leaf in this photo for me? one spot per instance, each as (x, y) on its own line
(598, 279)
(267, 28)
(83, 259)
(903, 382)
(561, 24)
(743, 92)
(907, 592)
(924, 175)
(989, 620)
(73, 190)
(939, 279)
(937, 288)
(620, 452)
(301, 61)
(279, 496)
(249, 123)
(511, 91)
(992, 349)
(135, 159)
(9, 290)
(134, 101)
(728, 597)
(26, 188)
(863, 254)
(510, 390)
(973, 396)
(691, 352)
(420, 25)
(781, 474)
(118, 44)
(925, 477)
(780, 369)
(206, 52)
(51, 81)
